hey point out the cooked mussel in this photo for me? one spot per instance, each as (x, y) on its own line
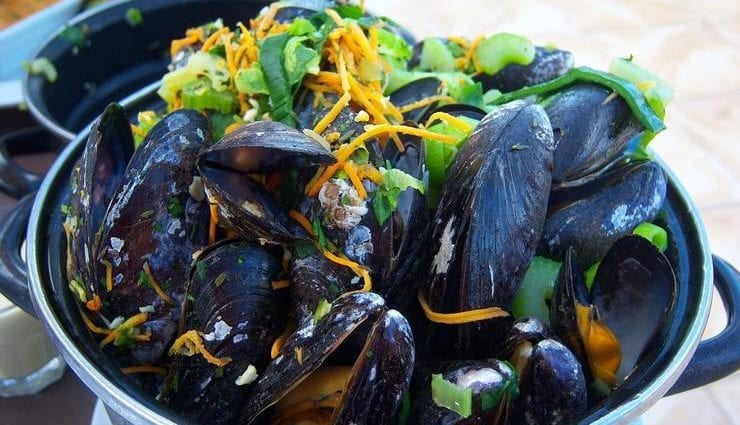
(609, 328)
(261, 148)
(592, 126)
(548, 63)
(406, 96)
(94, 180)
(591, 217)
(368, 392)
(490, 215)
(493, 385)
(232, 309)
(152, 227)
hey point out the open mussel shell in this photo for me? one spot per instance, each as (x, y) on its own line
(260, 148)
(592, 126)
(413, 92)
(593, 216)
(553, 388)
(548, 64)
(231, 303)
(95, 179)
(292, 9)
(527, 331)
(490, 215)
(487, 379)
(634, 291)
(379, 378)
(154, 220)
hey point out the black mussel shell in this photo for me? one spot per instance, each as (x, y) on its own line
(313, 278)
(309, 112)
(490, 376)
(292, 9)
(548, 64)
(593, 216)
(634, 291)
(379, 378)
(154, 219)
(570, 291)
(490, 215)
(458, 110)
(525, 330)
(553, 387)
(266, 146)
(592, 126)
(231, 303)
(414, 92)
(94, 181)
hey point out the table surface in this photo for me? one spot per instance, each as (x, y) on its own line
(693, 45)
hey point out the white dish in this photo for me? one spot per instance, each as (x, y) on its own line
(20, 42)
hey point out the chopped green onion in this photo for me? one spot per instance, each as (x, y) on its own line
(657, 92)
(634, 98)
(200, 96)
(591, 275)
(492, 398)
(394, 182)
(655, 234)
(536, 288)
(450, 396)
(281, 97)
(499, 50)
(439, 156)
(322, 308)
(74, 35)
(42, 66)
(435, 56)
(133, 17)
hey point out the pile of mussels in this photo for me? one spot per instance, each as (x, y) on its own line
(548, 180)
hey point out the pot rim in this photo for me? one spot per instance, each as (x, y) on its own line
(135, 412)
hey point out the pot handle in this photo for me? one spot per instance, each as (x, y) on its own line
(719, 356)
(15, 180)
(13, 275)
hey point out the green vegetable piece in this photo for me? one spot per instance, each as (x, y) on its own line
(220, 122)
(219, 372)
(657, 92)
(174, 206)
(655, 234)
(147, 214)
(499, 50)
(405, 411)
(300, 60)
(536, 289)
(634, 98)
(492, 398)
(281, 97)
(134, 17)
(319, 232)
(199, 65)
(322, 308)
(448, 395)
(590, 275)
(435, 56)
(301, 26)
(74, 35)
(42, 66)
(200, 96)
(439, 156)
(351, 11)
(394, 182)
(200, 269)
(77, 288)
(394, 49)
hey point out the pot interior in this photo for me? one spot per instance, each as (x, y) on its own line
(687, 253)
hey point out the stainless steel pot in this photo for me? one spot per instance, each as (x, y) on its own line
(667, 365)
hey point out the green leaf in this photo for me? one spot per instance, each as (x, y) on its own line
(351, 11)
(174, 207)
(74, 35)
(281, 98)
(392, 46)
(134, 17)
(319, 232)
(300, 60)
(499, 50)
(322, 308)
(657, 92)
(394, 182)
(200, 96)
(200, 269)
(220, 122)
(301, 26)
(251, 80)
(655, 234)
(448, 395)
(200, 66)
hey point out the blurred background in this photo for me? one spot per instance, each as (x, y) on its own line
(693, 45)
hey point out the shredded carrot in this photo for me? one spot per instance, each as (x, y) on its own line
(462, 42)
(95, 329)
(335, 17)
(190, 343)
(451, 120)
(213, 39)
(423, 102)
(333, 113)
(302, 220)
(458, 318)
(280, 284)
(355, 179)
(156, 286)
(108, 276)
(95, 304)
(280, 341)
(192, 36)
(214, 221)
(266, 22)
(143, 369)
(130, 323)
